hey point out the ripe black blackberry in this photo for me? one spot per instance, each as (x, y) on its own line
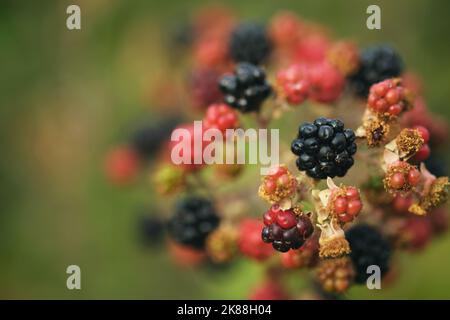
(324, 148)
(377, 63)
(249, 43)
(246, 89)
(194, 219)
(285, 230)
(149, 137)
(369, 247)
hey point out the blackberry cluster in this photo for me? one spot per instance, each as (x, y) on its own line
(324, 148)
(246, 89)
(368, 247)
(287, 231)
(147, 139)
(249, 43)
(194, 219)
(377, 63)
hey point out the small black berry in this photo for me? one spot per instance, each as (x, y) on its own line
(194, 219)
(368, 247)
(324, 148)
(377, 63)
(246, 89)
(249, 43)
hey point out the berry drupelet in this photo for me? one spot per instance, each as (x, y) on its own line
(277, 185)
(368, 247)
(377, 63)
(249, 43)
(324, 148)
(246, 89)
(195, 218)
(285, 230)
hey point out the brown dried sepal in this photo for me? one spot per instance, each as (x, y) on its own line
(437, 195)
(376, 132)
(409, 141)
(221, 245)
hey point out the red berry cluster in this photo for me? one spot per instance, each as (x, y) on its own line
(306, 256)
(326, 83)
(401, 176)
(122, 165)
(319, 82)
(387, 97)
(279, 184)
(424, 151)
(285, 230)
(189, 142)
(346, 204)
(220, 116)
(293, 83)
(249, 240)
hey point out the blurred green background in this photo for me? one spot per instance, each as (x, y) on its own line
(66, 97)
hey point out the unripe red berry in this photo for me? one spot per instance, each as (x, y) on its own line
(250, 242)
(122, 165)
(294, 84)
(387, 97)
(326, 83)
(220, 116)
